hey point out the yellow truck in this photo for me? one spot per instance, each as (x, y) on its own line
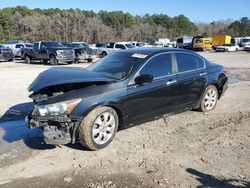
(200, 43)
(219, 40)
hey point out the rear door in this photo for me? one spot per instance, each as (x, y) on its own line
(192, 78)
(154, 98)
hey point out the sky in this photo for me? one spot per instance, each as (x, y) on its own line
(195, 10)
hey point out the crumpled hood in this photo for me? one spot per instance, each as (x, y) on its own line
(63, 75)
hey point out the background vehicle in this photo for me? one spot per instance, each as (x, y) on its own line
(163, 42)
(17, 48)
(201, 43)
(245, 41)
(247, 48)
(54, 52)
(6, 53)
(219, 40)
(121, 90)
(236, 40)
(82, 52)
(227, 48)
(184, 42)
(111, 47)
(137, 44)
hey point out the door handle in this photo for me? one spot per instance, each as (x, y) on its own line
(170, 82)
(203, 74)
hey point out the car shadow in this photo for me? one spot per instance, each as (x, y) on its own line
(207, 180)
(39, 63)
(13, 128)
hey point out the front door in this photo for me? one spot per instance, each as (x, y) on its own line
(157, 97)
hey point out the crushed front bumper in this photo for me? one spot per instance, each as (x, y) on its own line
(58, 130)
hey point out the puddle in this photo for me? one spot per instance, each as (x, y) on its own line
(232, 78)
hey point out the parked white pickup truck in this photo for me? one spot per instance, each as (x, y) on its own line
(103, 51)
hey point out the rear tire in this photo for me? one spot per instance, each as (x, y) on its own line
(104, 54)
(98, 128)
(53, 60)
(209, 99)
(10, 60)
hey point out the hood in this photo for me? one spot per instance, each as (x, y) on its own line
(62, 75)
(59, 48)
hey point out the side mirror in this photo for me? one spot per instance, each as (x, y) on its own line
(144, 78)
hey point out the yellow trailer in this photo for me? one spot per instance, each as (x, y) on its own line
(219, 40)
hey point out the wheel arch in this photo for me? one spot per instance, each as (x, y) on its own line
(121, 114)
(52, 54)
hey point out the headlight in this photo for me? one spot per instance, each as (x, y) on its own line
(59, 51)
(61, 108)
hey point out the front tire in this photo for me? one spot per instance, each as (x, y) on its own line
(53, 60)
(104, 54)
(27, 60)
(209, 99)
(98, 128)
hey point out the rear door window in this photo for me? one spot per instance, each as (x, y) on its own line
(186, 62)
(158, 66)
(200, 62)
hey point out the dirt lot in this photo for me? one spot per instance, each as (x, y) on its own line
(190, 149)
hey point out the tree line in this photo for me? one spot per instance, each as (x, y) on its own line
(79, 25)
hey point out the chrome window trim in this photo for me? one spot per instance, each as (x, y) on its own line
(174, 63)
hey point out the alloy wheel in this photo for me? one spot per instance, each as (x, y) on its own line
(210, 99)
(103, 128)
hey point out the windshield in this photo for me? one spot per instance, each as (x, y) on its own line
(117, 65)
(29, 45)
(246, 40)
(198, 41)
(75, 45)
(54, 44)
(129, 46)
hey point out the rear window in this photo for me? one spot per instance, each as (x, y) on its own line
(186, 62)
(200, 62)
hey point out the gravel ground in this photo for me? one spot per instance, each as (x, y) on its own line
(189, 149)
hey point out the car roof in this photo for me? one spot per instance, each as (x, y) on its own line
(153, 51)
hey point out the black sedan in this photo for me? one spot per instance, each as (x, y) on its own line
(123, 89)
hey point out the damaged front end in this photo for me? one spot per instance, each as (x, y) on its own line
(55, 119)
(58, 130)
(56, 92)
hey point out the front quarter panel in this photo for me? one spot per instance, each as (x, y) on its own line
(115, 98)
